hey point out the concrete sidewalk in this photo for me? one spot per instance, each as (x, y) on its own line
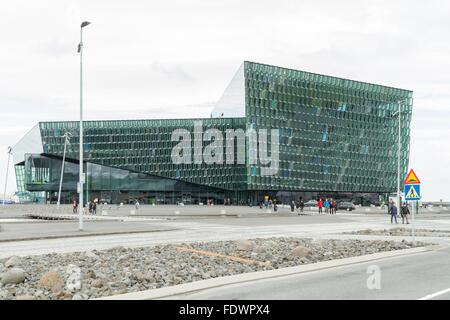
(66, 229)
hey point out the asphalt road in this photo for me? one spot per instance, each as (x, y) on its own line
(424, 275)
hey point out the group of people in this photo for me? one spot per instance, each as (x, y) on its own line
(299, 205)
(268, 204)
(329, 204)
(92, 206)
(404, 212)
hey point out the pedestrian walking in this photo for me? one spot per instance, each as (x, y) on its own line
(75, 206)
(136, 204)
(326, 204)
(320, 205)
(404, 213)
(331, 206)
(292, 206)
(390, 204)
(94, 207)
(302, 205)
(393, 212)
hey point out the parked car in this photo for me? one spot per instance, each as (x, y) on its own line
(346, 206)
(2, 201)
(311, 203)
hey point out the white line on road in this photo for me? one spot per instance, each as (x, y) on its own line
(434, 295)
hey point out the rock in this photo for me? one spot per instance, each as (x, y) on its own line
(91, 254)
(26, 297)
(58, 295)
(121, 291)
(90, 275)
(97, 283)
(300, 252)
(13, 276)
(80, 296)
(74, 281)
(68, 296)
(147, 276)
(51, 280)
(258, 249)
(245, 245)
(123, 258)
(12, 262)
(4, 294)
(12, 291)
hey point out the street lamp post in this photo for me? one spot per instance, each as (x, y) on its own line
(7, 171)
(399, 114)
(399, 205)
(67, 137)
(81, 181)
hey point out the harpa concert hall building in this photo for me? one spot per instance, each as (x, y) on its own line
(275, 132)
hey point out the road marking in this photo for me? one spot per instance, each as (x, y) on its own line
(434, 295)
(216, 254)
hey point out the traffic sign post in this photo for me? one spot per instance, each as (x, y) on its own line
(412, 193)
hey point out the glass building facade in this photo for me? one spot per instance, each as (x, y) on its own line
(335, 137)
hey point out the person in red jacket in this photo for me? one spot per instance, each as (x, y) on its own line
(320, 205)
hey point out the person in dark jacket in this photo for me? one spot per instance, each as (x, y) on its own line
(292, 206)
(302, 205)
(404, 213)
(74, 206)
(393, 212)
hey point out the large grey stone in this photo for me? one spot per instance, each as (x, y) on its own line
(301, 252)
(245, 245)
(13, 276)
(91, 255)
(12, 262)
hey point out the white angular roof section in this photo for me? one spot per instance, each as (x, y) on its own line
(232, 102)
(30, 143)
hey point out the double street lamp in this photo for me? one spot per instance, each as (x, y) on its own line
(66, 137)
(399, 113)
(81, 180)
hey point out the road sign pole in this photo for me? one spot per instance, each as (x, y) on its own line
(414, 223)
(412, 193)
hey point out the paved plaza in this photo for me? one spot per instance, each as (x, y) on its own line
(31, 230)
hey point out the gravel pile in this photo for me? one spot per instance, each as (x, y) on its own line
(402, 232)
(86, 275)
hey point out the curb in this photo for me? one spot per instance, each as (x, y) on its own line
(168, 292)
(84, 235)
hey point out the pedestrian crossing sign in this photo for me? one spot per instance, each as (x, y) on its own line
(412, 192)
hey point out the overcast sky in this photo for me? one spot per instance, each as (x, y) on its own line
(170, 59)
